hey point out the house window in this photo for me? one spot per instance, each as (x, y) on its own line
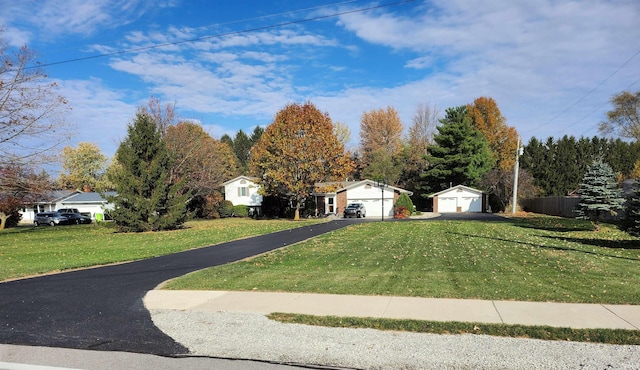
(367, 186)
(330, 205)
(243, 191)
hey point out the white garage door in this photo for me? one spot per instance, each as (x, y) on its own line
(447, 204)
(471, 204)
(374, 206)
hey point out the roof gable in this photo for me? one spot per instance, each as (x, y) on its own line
(457, 187)
(340, 186)
(240, 178)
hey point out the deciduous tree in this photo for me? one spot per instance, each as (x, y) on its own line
(19, 186)
(163, 116)
(84, 166)
(342, 132)
(503, 139)
(624, 119)
(423, 127)
(298, 150)
(201, 162)
(414, 154)
(380, 129)
(599, 193)
(147, 199)
(32, 113)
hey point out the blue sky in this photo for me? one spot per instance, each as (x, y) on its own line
(552, 66)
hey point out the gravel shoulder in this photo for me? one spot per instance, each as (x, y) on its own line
(253, 336)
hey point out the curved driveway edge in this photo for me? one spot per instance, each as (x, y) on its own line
(102, 308)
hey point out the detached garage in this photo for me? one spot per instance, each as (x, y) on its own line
(459, 199)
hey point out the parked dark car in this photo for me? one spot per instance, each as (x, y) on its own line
(74, 216)
(355, 210)
(50, 218)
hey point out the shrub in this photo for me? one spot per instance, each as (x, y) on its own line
(401, 212)
(240, 211)
(405, 201)
(225, 209)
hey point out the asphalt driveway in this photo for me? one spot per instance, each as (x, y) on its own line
(102, 309)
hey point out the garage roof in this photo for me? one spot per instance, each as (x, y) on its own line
(479, 192)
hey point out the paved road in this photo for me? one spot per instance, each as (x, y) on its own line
(102, 309)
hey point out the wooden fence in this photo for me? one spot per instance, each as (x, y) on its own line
(555, 206)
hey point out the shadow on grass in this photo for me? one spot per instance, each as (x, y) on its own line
(603, 243)
(560, 225)
(555, 247)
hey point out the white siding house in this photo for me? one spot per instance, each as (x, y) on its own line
(332, 198)
(243, 190)
(87, 203)
(458, 199)
(49, 203)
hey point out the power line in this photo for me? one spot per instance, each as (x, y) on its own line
(230, 22)
(587, 94)
(597, 109)
(298, 21)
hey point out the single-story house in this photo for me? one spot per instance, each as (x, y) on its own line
(87, 203)
(48, 203)
(458, 199)
(333, 197)
(243, 190)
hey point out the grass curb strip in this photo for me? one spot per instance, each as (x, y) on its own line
(608, 336)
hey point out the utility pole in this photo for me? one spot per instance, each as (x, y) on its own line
(381, 184)
(519, 151)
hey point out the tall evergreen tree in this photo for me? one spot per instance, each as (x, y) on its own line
(632, 220)
(461, 156)
(227, 140)
(534, 160)
(242, 147)
(564, 167)
(599, 193)
(256, 134)
(146, 200)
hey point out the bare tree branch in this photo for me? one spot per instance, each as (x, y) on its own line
(31, 112)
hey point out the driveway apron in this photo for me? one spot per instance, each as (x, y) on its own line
(102, 309)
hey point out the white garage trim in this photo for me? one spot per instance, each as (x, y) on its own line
(459, 198)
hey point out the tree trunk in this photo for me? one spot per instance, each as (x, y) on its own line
(296, 217)
(3, 220)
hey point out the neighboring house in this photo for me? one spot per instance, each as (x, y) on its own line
(458, 199)
(243, 190)
(333, 197)
(88, 203)
(48, 203)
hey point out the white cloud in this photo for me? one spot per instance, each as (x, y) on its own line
(525, 55)
(99, 114)
(56, 18)
(536, 59)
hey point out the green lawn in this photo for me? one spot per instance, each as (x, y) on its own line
(27, 250)
(535, 258)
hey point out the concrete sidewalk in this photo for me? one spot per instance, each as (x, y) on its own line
(573, 315)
